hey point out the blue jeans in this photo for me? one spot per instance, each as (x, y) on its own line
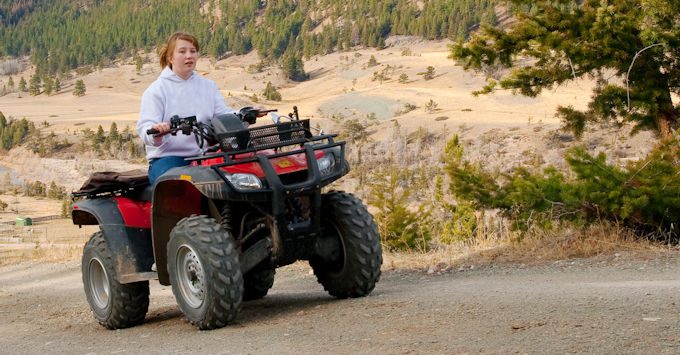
(159, 166)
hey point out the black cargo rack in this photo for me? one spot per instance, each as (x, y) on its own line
(266, 137)
(274, 136)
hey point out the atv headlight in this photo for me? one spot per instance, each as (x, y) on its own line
(326, 164)
(245, 181)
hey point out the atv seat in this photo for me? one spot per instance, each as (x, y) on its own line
(114, 183)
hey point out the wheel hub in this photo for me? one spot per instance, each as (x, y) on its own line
(99, 283)
(191, 276)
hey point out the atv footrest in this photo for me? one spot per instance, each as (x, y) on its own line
(302, 227)
(255, 254)
(138, 276)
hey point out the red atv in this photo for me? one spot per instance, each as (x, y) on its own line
(218, 229)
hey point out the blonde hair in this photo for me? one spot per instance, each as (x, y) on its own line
(169, 48)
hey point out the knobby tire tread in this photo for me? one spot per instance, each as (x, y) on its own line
(222, 268)
(129, 302)
(361, 242)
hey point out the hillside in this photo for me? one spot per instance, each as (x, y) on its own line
(503, 128)
(64, 35)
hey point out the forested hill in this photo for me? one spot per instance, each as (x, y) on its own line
(60, 35)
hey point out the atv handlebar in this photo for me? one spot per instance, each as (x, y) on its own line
(250, 114)
(205, 132)
(184, 124)
(152, 131)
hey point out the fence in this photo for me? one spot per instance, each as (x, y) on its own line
(36, 219)
(49, 234)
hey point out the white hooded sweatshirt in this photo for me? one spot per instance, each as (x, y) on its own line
(171, 95)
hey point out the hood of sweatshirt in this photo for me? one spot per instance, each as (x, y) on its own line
(168, 74)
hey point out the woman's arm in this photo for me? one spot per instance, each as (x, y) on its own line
(221, 107)
(151, 115)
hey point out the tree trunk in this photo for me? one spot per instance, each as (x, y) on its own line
(663, 124)
(667, 116)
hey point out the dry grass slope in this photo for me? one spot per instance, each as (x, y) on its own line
(503, 130)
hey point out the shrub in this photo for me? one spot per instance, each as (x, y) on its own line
(270, 92)
(644, 195)
(403, 78)
(431, 106)
(453, 222)
(372, 62)
(428, 74)
(401, 227)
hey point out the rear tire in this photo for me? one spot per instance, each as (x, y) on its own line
(205, 272)
(114, 305)
(257, 283)
(349, 256)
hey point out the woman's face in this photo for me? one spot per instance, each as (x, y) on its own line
(184, 58)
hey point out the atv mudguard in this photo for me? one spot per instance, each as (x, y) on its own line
(176, 195)
(184, 191)
(125, 225)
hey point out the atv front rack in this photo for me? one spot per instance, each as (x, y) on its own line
(267, 137)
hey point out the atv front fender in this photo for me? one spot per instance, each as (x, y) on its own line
(179, 193)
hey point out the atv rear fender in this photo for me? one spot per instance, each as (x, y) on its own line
(125, 225)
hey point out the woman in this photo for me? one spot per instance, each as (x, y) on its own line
(180, 91)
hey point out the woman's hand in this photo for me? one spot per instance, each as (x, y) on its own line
(262, 111)
(162, 127)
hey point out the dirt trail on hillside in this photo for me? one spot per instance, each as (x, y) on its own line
(612, 304)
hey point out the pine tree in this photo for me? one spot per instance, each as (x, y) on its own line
(139, 63)
(46, 32)
(22, 84)
(66, 207)
(400, 227)
(634, 40)
(79, 89)
(293, 67)
(49, 85)
(34, 87)
(113, 132)
(270, 92)
(372, 61)
(99, 137)
(57, 85)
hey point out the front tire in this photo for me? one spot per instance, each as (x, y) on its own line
(205, 272)
(348, 257)
(114, 305)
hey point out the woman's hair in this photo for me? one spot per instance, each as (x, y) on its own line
(169, 47)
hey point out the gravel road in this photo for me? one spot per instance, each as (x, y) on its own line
(614, 304)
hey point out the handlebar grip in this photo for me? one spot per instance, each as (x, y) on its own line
(152, 131)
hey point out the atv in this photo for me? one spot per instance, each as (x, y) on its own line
(216, 230)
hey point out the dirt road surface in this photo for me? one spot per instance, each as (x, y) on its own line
(612, 304)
